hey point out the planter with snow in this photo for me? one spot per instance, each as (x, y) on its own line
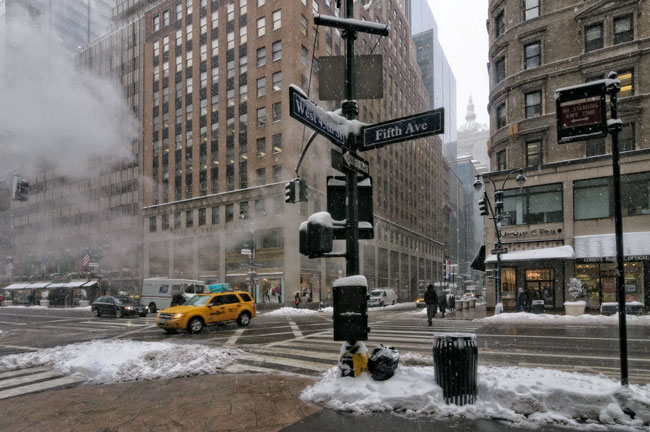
(575, 308)
(45, 303)
(83, 303)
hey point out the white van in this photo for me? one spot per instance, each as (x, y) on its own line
(157, 293)
(382, 297)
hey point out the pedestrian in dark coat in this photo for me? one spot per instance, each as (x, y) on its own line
(297, 300)
(442, 303)
(522, 300)
(431, 300)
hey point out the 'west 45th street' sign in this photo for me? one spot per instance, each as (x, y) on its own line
(403, 129)
(310, 114)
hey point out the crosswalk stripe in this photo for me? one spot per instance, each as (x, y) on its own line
(286, 361)
(294, 328)
(232, 340)
(19, 372)
(45, 385)
(12, 382)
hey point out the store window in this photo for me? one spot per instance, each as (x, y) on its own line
(533, 205)
(540, 285)
(508, 286)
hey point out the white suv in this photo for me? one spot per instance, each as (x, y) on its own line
(382, 297)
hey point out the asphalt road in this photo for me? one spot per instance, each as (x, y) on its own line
(303, 344)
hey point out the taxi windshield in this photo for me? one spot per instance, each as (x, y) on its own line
(198, 300)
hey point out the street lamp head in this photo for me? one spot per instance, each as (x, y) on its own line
(520, 179)
(478, 184)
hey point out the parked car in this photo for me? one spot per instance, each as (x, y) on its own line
(420, 302)
(208, 309)
(382, 297)
(117, 306)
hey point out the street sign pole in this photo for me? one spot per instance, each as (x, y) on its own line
(351, 110)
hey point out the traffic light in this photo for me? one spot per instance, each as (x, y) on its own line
(315, 235)
(290, 192)
(19, 189)
(336, 206)
(482, 206)
(302, 189)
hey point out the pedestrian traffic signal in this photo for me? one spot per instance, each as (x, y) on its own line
(19, 189)
(316, 235)
(290, 192)
(482, 206)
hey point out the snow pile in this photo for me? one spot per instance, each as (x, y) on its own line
(526, 317)
(289, 311)
(525, 397)
(104, 362)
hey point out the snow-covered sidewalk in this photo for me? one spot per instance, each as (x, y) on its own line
(525, 397)
(527, 317)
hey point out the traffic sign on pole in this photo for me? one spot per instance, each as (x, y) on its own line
(310, 114)
(581, 112)
(349, 161)
(402, 129)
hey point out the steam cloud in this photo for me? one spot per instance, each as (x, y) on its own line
(48, 112)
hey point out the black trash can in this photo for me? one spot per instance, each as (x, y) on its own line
(538, 306)
(455, 359)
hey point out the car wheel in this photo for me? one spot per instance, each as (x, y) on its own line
(195, 325)
(244, 319)
(118, 313)
(393, 303)
(152, 307)
(96, 312)
(143, 314)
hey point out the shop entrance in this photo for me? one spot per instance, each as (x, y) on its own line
(541, 283)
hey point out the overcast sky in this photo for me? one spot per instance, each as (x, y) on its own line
(464, 38)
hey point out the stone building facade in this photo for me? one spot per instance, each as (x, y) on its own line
(560, 224)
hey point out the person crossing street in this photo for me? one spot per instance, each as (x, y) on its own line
(431, 300)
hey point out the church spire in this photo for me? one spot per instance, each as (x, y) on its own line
(470, 117)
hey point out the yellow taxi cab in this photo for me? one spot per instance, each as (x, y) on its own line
(208, 309)
(420, 302)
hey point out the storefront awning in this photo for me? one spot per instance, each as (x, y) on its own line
(91, 283)
(75, 283)
(604, 245)
(57, 285)
(559, 252)
(479, 259)
(38, 285)
(16, 286)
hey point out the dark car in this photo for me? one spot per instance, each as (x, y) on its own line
(117, 306)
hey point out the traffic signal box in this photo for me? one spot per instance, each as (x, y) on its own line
(295, 190)
(350, 297)
(482, 206)
(316, 235)
(336, 206)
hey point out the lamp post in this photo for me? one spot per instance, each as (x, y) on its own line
(497, 216)
(251, 257)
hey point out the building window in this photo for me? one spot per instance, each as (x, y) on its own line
(623, 29)
(595, 147)
(277, 143)
(533, 153)
(261, 27)
(627, 83)
(152, 224)
(591, 198)
(215, 215)
(261, 117)
(626, 138)
(531, 9)
(277, 81)
(593, 36)
(260, 207)
(276, 110)
(303, 25)
(533, 205)
(501, 160)
(277, 19)
(156, 23)
(261, 147)
(202, 218)
(635, 194)
(189, 219)
(261, 57)
(499, 24)
(165, 222)
(277, 173)
(277, 50)
(229, 212)
(261, 176)
(533, 104)
(177, 220)
(499, 70)
(532, 57)
(261, 87)
(243, 209)
(501, 115)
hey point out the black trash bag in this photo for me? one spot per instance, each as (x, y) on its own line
(383, 362)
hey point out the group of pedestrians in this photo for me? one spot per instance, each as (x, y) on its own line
(434, 301)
